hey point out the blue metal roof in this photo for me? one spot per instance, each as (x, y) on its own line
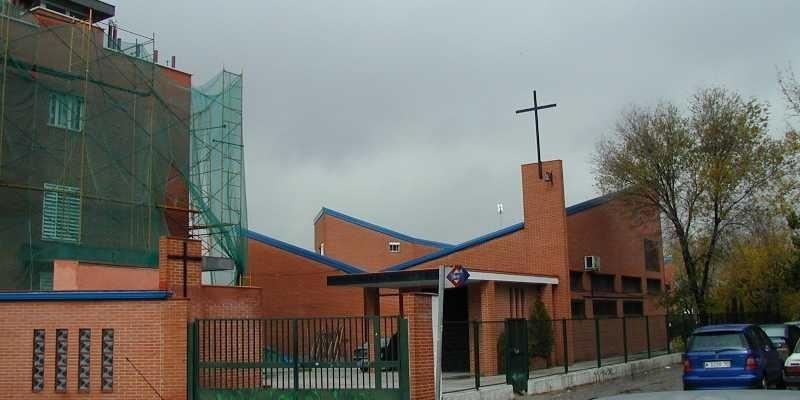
(299, 251)
(450, 250)
(86, 295)
(378, 228)
(591, 203)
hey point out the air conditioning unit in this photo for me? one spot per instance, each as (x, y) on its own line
(591, 263)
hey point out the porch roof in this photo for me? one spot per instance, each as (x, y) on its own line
(429, 278)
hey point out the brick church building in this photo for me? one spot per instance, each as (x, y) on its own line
(542, 256)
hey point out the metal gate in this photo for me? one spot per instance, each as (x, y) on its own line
(299, 358)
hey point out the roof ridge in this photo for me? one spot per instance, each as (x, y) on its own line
(461, 246)
(299, 251)
(590, 203)
(378, 228)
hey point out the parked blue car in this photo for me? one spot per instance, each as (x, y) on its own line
(731, 356)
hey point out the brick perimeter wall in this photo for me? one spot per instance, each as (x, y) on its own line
(151, 334)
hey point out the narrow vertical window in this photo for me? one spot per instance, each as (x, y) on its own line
(61, 213)
(38, 360)
(62, 359)
(322, 249)
(84, 359)
(107, 371)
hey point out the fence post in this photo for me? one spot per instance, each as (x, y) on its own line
(566, 350)
(295, 355)
(403, 356)
(625, 339)
(476, 350)
(376, 329)
(597, 341)
(647, 328)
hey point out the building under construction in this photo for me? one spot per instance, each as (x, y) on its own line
(104, 147)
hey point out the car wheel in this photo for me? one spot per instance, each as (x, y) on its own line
(764, 381)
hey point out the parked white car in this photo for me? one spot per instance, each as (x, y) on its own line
(791, 368)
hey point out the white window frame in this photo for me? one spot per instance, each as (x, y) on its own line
(61, 213)
(394, 247)
(322, 248)
(66, 111)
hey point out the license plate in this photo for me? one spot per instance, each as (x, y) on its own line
(717, 364)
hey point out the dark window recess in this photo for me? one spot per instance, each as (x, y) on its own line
(516, 302)
(84, 357)
(631, 285)
(654, 286)
(604, 308)
(651, 258)
(632, 308)
(576, 281)
(38, 360)
(603, 283)
(578, 309)
(107, 361)
(62, 357)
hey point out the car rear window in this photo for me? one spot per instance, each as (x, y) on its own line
(716, 340)
(774, 331)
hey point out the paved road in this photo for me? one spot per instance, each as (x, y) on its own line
(652, 381)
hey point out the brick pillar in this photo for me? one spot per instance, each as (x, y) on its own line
(174, 319)
(170, 269)
(417, 307)
(372, 302)
(490, 332)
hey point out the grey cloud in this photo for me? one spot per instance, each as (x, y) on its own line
(402, 112)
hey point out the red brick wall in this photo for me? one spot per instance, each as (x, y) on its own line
(362, 247)
(614, 233)
(151, 334)
(295, 286)
(171, 270)
(208, 301)
(74, 275)
(420, 346)
(540, 248)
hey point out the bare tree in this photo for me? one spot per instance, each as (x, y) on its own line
(702, 170)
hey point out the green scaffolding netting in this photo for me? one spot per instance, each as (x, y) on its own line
(103, 151)
(217, 170)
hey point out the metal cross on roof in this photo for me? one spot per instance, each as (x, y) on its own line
(536, 107)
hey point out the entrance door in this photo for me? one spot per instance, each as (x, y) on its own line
(455, 338)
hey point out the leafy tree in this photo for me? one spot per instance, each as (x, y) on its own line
(791, 90)
(704, 170)
(540, 332)
(755, 273)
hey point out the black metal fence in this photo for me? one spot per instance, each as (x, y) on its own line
(554, 347)
(365, 354)
(565, 345)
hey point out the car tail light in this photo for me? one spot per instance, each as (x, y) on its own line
(687, 366)
(793, 369)
(751, 363)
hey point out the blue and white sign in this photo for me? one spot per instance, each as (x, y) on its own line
(458, 275)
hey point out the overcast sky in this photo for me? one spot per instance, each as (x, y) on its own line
(402, 112)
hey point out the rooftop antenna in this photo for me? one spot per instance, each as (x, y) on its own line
(500, 214)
